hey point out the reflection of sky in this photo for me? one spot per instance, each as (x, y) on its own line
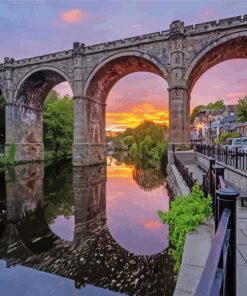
(23, 281)
(64, 227)
(131, 213)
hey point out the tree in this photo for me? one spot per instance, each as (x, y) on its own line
(51, 98)
(58, 125)
(2, 101)
(242, 110)
(196, 112)
(216, 105)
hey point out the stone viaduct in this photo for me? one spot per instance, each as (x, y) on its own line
(180, 55)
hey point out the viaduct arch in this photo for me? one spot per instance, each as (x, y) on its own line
(180, 55)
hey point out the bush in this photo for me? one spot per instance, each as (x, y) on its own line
(185, 215)
(225, 136)
(10, 158)
(183, 148)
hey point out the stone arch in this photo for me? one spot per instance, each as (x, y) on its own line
(34, 86)
(225, 48)
(113, 68)
(89, 133)
(25, 114)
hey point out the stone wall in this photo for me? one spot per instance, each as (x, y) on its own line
(175, 182)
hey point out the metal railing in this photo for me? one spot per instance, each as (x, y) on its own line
(235, 158)
(184, 172)
(219, 274)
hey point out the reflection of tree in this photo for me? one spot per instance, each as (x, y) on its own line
(58, 191)
(148, 179)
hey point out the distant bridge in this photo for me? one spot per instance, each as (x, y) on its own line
(180, 55)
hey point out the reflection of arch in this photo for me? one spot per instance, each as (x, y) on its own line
(94, 257)
(35, 233)
(33, 88)
(113, 68)
(225, 48)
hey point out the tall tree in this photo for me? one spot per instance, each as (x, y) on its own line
(58, 125)
(216, 105)
(196, 112)
(242, 110)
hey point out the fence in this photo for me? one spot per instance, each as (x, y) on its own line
(219, 274)
(235, 158)
(184, 172)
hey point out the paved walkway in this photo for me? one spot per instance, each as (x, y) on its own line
(241, 238)
(241, 249)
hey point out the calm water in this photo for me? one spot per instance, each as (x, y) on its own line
(84, 231)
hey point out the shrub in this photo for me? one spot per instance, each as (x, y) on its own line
(9, 159)
(185, 215)
(225, 136)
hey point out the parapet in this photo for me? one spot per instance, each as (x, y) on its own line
(175, 27)
(220, 24)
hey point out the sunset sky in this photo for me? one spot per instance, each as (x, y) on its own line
(30, 28)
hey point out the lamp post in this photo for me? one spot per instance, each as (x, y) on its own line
(200, 131)
(210, 127)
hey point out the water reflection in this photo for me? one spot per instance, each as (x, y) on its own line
(132, 213)
(55, 222)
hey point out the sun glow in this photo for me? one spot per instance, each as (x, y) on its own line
(119, 121)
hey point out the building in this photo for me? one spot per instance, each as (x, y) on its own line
(241, 128)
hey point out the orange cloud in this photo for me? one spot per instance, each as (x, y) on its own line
(73, 16)
(118, 121)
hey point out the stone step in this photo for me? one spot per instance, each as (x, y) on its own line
(189, 158)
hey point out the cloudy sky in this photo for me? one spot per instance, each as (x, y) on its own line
(30, 28)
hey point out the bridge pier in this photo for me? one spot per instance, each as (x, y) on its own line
(24, 128)
(89, 146)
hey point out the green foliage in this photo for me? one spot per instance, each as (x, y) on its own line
(185, 215)
(2, 101)
(49, 155)
(225, 136)
(9, 159)
(196, 112)
(242, 110)
(128, 141)
(58, 125)
(58, 191)
(216, 105)
(183, 148)
(146, 141)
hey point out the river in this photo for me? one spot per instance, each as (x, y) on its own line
(84, 230)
